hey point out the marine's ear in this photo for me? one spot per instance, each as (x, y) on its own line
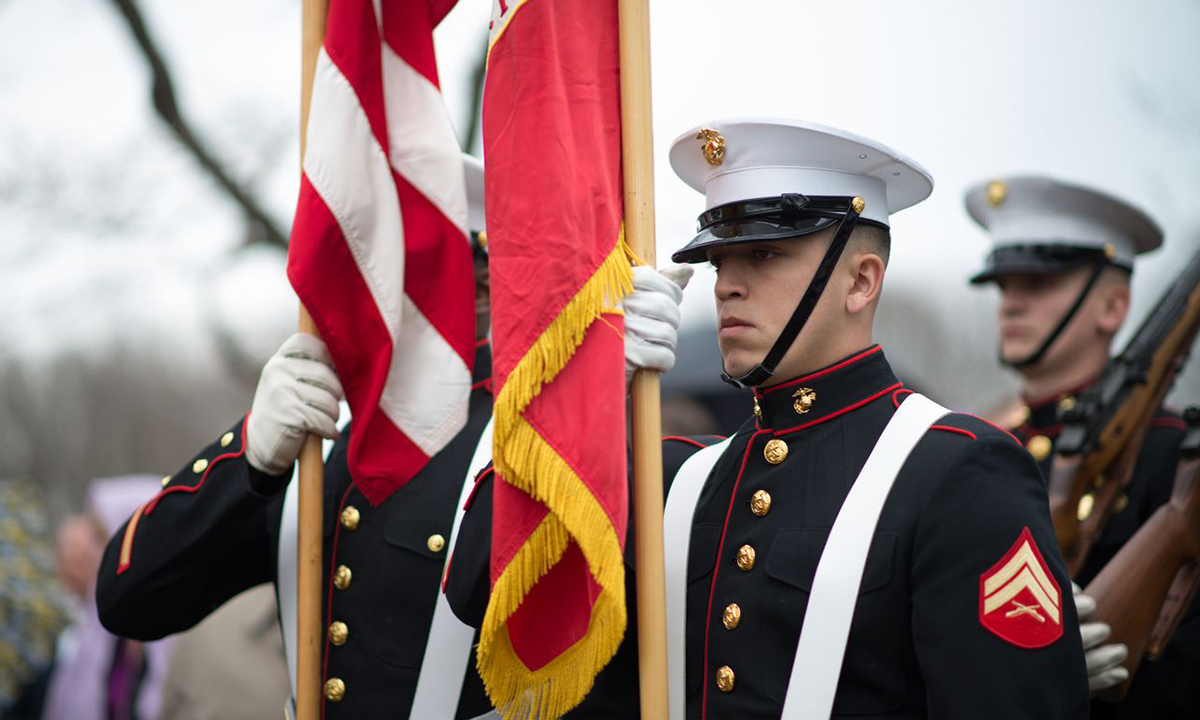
(866, 270)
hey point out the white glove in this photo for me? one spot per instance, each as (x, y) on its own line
(1103, 661)
(652, 318)
(298, 393)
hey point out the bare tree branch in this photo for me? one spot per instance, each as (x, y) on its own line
(263, 228)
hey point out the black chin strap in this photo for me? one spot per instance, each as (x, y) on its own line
(763, 371)
(1062, 324)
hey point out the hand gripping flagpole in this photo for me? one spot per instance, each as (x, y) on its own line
(637, 160)
(312, 470)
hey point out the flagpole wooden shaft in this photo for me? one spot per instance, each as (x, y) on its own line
(312, 467)
(637, 158)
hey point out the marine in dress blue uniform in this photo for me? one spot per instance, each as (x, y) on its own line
(1063, 254)
(948, 621)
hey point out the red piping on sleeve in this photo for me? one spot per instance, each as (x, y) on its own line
(960, 431)
(478, 482)
(125, 559)
(899, 394)
(989, 422)
(1170, 422)
(212, 464)
(689, 441)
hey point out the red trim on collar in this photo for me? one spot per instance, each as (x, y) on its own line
(712, 588)
(897, 395)
(960, 431)
(843, 411)
(211, 464)
(1050, 432)
(848, 361)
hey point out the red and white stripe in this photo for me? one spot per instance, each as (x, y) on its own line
(379, 255)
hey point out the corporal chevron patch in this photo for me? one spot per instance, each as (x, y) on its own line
(1019, 600)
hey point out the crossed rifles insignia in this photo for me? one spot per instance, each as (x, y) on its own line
(1019, 600)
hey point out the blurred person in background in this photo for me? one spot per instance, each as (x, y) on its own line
(1063, 258)
(98, 676)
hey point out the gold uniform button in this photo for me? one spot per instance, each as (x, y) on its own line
(435, 543)
(199, 465)
(335, 689)
(732, 616)
(166, 479)
(338, 632)
(775, 451)
(1039, 447)
(725, 678)
(341, 577)
(350, 517)
(1121, 503)
(760, 502)
(226, 439)
(1084, 509)
(745, 558)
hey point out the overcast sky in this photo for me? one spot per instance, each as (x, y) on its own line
(1099, 91)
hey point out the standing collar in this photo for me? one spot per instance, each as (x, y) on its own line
(1043, 412)
(839, 388)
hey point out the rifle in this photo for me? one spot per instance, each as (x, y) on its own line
(1104, 429)
(1145, 590)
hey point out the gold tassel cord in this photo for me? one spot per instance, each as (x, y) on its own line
(525, 460)
(506, 678)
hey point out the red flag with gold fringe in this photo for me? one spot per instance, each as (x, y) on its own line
(559, 268)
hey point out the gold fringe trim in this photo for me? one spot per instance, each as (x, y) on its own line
(526, 461)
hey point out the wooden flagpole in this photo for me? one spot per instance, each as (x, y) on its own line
(637, 159)
(312, 465)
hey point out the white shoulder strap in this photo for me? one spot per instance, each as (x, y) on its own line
(448, 651)
(677, 533)
(822, 647)
(285, 581)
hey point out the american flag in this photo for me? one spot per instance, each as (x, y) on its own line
(379, 255)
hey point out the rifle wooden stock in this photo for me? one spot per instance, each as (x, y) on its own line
(1145, 589)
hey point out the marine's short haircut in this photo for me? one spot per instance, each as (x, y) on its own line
(875, 237)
